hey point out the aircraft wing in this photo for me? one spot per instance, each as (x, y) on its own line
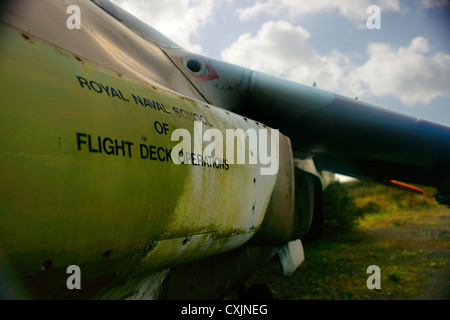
(89, 178)
(341, 134)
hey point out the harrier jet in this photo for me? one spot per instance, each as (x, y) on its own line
(99, 180)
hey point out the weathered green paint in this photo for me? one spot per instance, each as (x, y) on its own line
(100, 211)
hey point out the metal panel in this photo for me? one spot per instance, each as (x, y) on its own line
(102, 39)
(87, 178)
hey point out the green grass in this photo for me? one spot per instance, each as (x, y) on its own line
(373, 198)
(336, 269)
(409, 245)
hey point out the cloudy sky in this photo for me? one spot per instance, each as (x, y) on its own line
(405, 65)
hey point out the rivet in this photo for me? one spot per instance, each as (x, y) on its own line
(26, 37)
(150, 247)
(107, 254)
(47, 265)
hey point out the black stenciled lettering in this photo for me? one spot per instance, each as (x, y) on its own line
(181, 111)
(90, 144)
(187, 157)
(98, 89)
(137, 100)
(97, 144)
(144, 151)
(121, 96)
(122, 147)
(114, 93)
(83, 82)
(150, 104)
(181, 157)
(99, 140)
(168, 155)
(158, 127)
(177, 112)
(129, 144)
(159, 156)
(106, 89)
(109, 149)
(153, 153)
(79, 141)
(196, 117)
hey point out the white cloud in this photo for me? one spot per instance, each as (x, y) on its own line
(277, 46)
(354, 10)
(179, 20)
(282, 49)
(408, 72)
(427, 4)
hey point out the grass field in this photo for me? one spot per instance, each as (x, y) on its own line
(405, 234)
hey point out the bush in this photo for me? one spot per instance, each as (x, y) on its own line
(376, 198)
(368, 205)
(340, 211)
